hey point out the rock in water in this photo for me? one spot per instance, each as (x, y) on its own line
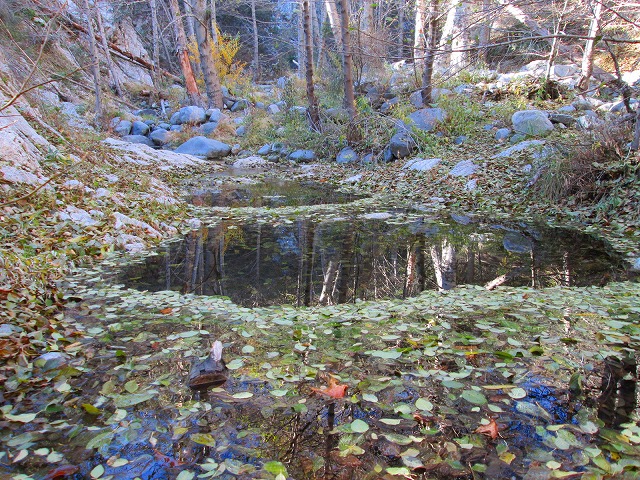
(210, 372)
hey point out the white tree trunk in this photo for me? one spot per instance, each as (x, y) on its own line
(95, 65)
(589, 48)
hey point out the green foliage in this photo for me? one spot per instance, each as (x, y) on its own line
(464, 115)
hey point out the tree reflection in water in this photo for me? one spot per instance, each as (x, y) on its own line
(310, 262)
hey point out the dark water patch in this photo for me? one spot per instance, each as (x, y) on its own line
(270, 193)
(312, 262)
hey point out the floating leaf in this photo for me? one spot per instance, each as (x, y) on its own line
(517, 393)
(475, 397)
(101, 440)
(387, 354)
(204, 439)
(22, 418)
(97, 471)
(369, 397)
(248, 349)
(403, 471)
(242, 395)
(124, 401)
(131, 386)
(90, 409)
(424, 404)
(397, 438)
(390, 421)
(235, 364)
(277, 468)
(359, 426)
(279, 393)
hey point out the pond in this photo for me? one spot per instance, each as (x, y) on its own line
(269, 193)
(309, 261)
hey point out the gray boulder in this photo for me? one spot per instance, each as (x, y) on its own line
(139, 128)
(416, 97)
(337, 114)
(302, 156)
(251, 162)
(265, 149)
(159, 136)
(426, 119)
(204, 147)
(273, 109)
(389, 104)
(387, 155)
(532, 122)
(239, 105)
(502, 134)
(175, 128)
(566, 109)
(192, 115)
(138, 139)
(562, 118)
(208, 128)
(460, 140)
(123, 127)
(402, 144)
(347, 155)
(241, 131)
(216, 115)
(164, 125)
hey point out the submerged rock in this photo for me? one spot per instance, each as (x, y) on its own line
(209, 373)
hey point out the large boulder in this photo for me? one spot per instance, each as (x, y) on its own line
(204, 147)
(302, 156)
(347, 155)
(421, 164)
(532, 122)
(139, 128)
(402, 144)
(208, 128)
(426, 119)
(191, 115)
(122, 127)
(159, 136)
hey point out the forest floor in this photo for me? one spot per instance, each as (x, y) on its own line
(511, 383)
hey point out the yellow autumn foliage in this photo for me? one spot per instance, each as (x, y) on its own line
(224, 53)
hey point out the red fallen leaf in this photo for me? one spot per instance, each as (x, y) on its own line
(166, 311)
(422, 420)
(333, 389)
(490, 430)
(168, 461)
(155, 345)
(61, 472)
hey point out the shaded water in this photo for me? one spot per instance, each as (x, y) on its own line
(310, 262)
(271, 193)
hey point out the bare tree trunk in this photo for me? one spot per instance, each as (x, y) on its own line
(484, 37)
(347, 60)
(334, 20)
(418, 32)
(400, 7)
(183, 55)
(313, 111)
(301, 43)
(205, 47)
(107, 54)
(156, 43)
(214, 22)
(256, 52)
(322, 44)
(429, 53)
(554, 45)
(190, 20)
(635, 144)
(460, 36)
(589, 47)
(95, 65)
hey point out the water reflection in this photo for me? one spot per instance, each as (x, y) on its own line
(310, 262)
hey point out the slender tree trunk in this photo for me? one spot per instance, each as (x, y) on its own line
(429, 53)
(312, 110)
(460, 36)
(205, 47)
(214, 21)
(347, 60)
(256, 50)
(107, 54)
(484, 37)
(401, 6)
(156, 43)
(589, 48)
(190, 20)
(95, 66)
(554, 45)
(322, 44)
(418, 32)
(301, 43)
(183, 55)
(635, 144)
(334, 20)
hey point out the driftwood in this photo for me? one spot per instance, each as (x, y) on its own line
(210, 372)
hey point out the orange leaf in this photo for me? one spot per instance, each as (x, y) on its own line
(490, 430)
(166, 311)
(62, 471)
(333, 389)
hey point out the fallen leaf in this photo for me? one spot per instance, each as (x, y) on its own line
(166, 311)
(490, 430)
(61, 472)
(333, 389)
